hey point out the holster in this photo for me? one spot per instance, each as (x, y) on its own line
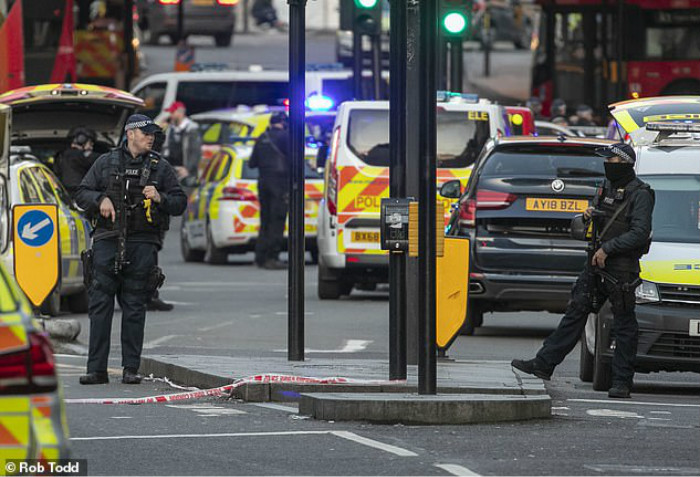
(86, 256)
(155, 279)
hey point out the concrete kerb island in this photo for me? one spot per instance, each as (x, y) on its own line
(468, 391)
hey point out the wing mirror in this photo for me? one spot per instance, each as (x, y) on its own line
(451, 189)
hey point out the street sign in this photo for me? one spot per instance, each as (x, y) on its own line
(35, 239)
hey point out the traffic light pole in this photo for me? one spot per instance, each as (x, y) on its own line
(358, 59)
(456, 65)
(180, 21)
(427, 360)
(295, 286)
(377, 66)
(129, 42)
(397, 186)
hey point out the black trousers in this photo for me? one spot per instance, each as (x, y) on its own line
(274, 205)
(130, 287)
(625, 327)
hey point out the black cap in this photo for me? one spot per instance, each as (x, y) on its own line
(278, 117)
(81, 135)
(142, 122)
(620, 149)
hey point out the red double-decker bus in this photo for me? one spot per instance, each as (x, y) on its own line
(598, 51)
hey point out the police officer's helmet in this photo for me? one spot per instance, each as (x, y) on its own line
(80, 135)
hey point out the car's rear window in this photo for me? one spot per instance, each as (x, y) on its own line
(459, 138)
(548, 162)
(677, 209)
(200, 96)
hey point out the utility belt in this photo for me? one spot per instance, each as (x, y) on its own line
(154, 279)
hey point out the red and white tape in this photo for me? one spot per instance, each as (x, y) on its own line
(258, 379)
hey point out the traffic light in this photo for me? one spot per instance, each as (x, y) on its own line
(455, 17)
(362, 17)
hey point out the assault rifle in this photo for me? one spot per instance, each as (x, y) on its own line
(122, 211)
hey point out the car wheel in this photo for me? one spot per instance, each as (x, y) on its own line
(602, 368)
(475, 318)
(52, 304)
(78, 303)
(223, 39)
(329, 287)
(212, 254)
(587, 361)
(188, 254)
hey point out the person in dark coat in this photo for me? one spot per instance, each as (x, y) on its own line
(129, 178)
(73, 163)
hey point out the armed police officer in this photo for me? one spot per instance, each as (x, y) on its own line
(131, 192)
(271, 156)
(622, 223)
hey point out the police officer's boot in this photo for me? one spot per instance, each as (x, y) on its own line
(94, 378)
(131, 376)
(620, 391)
(535, 366)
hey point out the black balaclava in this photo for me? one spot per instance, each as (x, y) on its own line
(619, 173)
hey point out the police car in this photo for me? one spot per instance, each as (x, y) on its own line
(357, 177)
(32, 415)
(666, 132)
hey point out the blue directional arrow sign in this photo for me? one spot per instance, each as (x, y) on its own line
(35, 228)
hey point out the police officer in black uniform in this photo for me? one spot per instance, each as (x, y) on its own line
(622, 211)
(271, 156)
(73, 163)
(132, 179)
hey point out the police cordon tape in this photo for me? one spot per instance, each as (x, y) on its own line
(257, 379)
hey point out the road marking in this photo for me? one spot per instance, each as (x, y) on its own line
(216, 327)
(659, 419)
(208, 410)
(640, 403)
(277, 407)
(644, 470)
(350, 346)
(659, 412)
(613, 413)
(455, 469)
(351, 436)
(120, 417)
(153, 343)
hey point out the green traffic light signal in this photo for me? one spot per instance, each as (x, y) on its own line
(366, 3)
(454, 22)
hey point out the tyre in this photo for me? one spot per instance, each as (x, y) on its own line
(52, 304)
(475, 318)
(188, 254)
(587, 361)
(602, 368)
(223, 39)
(78, 303)
(212, 254)
(331, 287)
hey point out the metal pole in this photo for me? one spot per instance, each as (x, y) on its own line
(456, 65)
(180, 21)
(246, 16)
(427, 361)
(295, 286)
(357, 58)
(413, 133)
(620, 50)
(397, 187)
(377, 66)
(129, 42)
(442, 63)
(488, 40)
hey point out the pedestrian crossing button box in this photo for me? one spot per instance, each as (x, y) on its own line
(394, 224)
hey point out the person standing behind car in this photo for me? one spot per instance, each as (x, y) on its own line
(624, 205)
(153, 194)
(73, 163)
(271, 156)
(183, 143)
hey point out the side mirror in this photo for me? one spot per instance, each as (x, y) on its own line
(579, 228)
(322, 156)
(451, 189)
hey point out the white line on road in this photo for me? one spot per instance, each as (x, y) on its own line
(640, 403)
(350, 346)
(216, 327)
(277, 407)
(659, 412)
(455, 469)
(351, 436)
(153, 343)
(121, 417)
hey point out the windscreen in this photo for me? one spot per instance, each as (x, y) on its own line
(459, 138)
(677, 209)
(200, 96)
(557, 162)
(672, 35)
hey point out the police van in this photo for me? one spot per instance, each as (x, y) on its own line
(357, 178)
(668, 299)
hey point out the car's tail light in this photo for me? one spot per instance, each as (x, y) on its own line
(332, 198)
(237, 193)
(492, 200)
(227, 3)
(168, 2)
(467, 213)
(31, 370)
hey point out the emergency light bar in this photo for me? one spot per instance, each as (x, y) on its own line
(451, 97)
(319, 102)
(674, 127)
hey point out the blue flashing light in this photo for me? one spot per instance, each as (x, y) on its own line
(449, 96)
(319, 102)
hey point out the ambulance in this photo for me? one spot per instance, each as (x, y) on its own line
(356, 178)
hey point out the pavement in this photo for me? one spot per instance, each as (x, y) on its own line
(467, 391)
